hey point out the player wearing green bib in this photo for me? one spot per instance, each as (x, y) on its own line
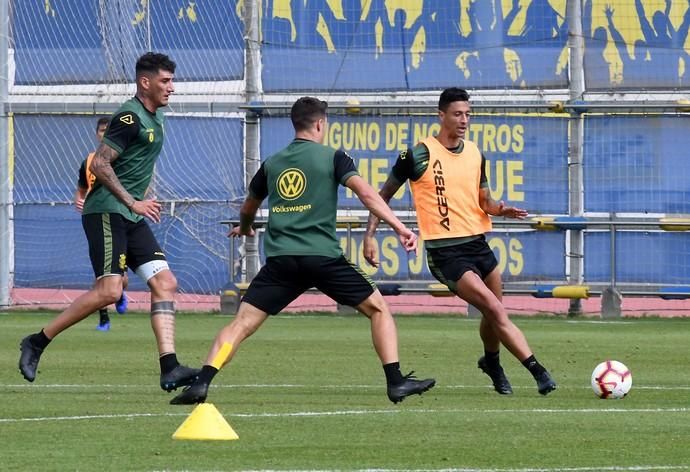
(113, 220)
(301, 183)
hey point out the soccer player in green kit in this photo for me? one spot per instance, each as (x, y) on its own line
(113, 220)
(302, 250)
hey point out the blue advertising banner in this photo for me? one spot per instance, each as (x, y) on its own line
(203, 157)
(522, 256)
(632, 164)
(413, 44)
(527, 167)
(432, 44)
(47, 170)
(84, 41)
(204, 38)
(527, 155)
(326, 44)
(635, 44)
(51, 249)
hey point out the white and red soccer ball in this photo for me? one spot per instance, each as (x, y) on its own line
(611, 379)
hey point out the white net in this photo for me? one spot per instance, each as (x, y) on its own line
(73, 62)
(414, 44)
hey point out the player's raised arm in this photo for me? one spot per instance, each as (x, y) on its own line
(492, 207)
(401, 171)
(379, 208)
(390, 187)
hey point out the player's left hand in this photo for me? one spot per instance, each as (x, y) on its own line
(511, 212)
(409, 240)
(369, 251)
(150, 209)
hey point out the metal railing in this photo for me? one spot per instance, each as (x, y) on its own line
(541, 289)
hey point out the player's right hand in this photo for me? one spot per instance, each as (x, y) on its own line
(150, 209)
(369, 251)
(79, 204)
(236, 232)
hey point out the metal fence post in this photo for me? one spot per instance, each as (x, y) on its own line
(252, 119)
(576, 128)
(611, 298)
(6, 199)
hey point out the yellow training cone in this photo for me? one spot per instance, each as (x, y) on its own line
(205, 423)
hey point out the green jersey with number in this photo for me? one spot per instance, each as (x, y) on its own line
(137, 135)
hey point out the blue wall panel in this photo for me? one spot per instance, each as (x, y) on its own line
(635, 164)
(641, 257)
(84, 41)
(51, 248)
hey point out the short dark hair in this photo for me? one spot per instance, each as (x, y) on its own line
(152, 62)
(102, 121)
(306, 111)
(450, 95)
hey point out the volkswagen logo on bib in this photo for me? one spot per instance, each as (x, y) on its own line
(291, 184)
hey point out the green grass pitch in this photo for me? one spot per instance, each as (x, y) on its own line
(306, 392)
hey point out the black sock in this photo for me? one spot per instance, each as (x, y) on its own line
(40, 340)
(104, 318)
(492, 358)
(206, 375)
(393, 374)
(533, 366)
(168, 362)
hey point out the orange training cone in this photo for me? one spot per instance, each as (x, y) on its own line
(205, 423)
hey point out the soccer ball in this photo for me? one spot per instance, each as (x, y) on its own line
(611, 379)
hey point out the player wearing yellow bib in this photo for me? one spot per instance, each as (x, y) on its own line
(453, 203)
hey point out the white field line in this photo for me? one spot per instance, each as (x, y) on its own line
(318, 414)
(613, 468)
(322, 387)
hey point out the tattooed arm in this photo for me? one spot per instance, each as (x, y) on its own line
(122, 131)
(102, 168)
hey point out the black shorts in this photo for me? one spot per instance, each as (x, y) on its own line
(448, 264)
(284, 278)
(116, 243)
